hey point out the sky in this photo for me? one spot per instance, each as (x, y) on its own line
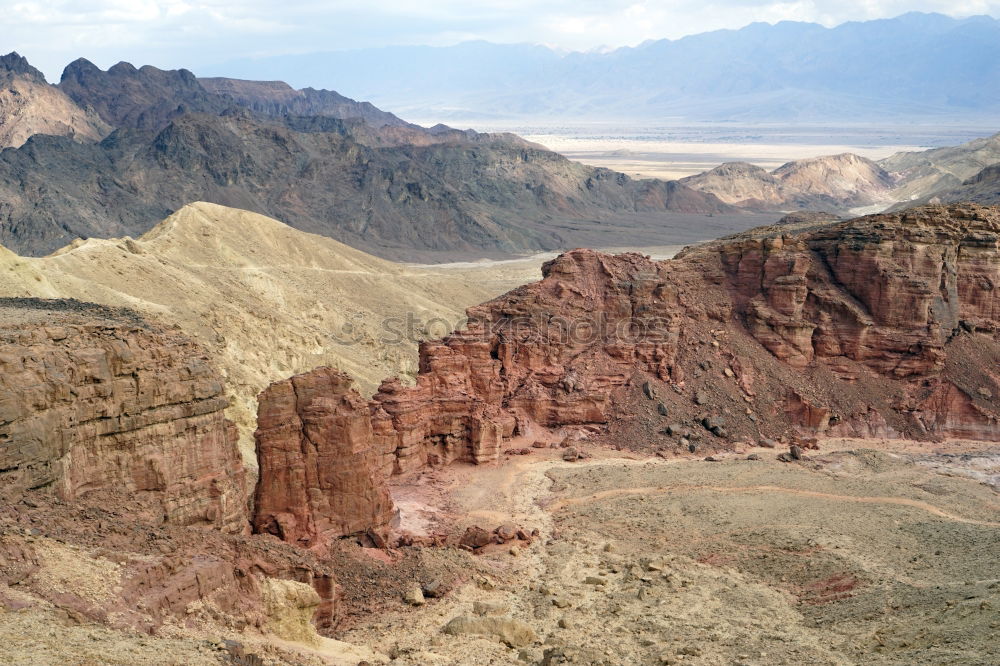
(198, 33)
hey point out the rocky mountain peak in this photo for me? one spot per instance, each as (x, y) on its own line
(78, 70)
(143, 98)
(29, 107)
(17, 65)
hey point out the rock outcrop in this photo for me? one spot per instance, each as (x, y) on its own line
(123, 498)
(318, 463)
(97, 401)
(884, 325)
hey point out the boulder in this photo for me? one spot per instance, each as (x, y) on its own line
(512, 633)
(475, 537)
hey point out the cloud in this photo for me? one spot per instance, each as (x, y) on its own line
(172, 33)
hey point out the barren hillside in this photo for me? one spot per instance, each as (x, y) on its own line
(831, 182)
(29, 105)
(267, 300)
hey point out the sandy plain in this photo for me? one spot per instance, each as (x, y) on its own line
(673, 151)
(668, 160)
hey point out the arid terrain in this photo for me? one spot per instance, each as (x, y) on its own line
(754, 456)
(288, 379)
(269, 301)
(866, 552)
(661, 153)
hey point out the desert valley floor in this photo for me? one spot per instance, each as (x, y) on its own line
(877, 552)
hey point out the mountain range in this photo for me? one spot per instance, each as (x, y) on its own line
(343, 169)
(110, 153)
(912, 66)
(848, 183)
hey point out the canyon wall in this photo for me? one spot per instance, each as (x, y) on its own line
(882, 326)
(94, 400)
(314, 439)
(113, 446)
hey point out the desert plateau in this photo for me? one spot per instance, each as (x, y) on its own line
(688, 353)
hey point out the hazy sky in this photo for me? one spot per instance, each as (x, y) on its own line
(189, 33)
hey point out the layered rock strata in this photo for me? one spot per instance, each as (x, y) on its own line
(123, 498)
(96, 400)
(318, 461)
(880, 326)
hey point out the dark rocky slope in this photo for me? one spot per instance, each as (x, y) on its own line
(453, 192)
(277, 98)
(144, 98)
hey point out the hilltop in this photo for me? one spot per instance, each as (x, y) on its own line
(29, 105)
(835, 182)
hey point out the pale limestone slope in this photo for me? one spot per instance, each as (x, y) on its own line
(846, 176)
(268, 300)
(928, 172)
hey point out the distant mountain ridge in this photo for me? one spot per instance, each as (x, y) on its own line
(343, 169)
(277, 98)
(914, 65)
(832, 182)
(969, 172)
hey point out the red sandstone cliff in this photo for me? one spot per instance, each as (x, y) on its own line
(121, 481)
(92, 402)
(317, 456)
(881, 326)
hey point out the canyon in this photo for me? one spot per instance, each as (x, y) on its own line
(129, 507)
(288, 379)
(125, 501)
(266, 300)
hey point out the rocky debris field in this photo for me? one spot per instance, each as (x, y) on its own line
(849, 555)
(846, 556)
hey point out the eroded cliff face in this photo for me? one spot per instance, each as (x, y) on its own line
(881, 326)
(123, 499)
(317, 454)
(92, 401)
